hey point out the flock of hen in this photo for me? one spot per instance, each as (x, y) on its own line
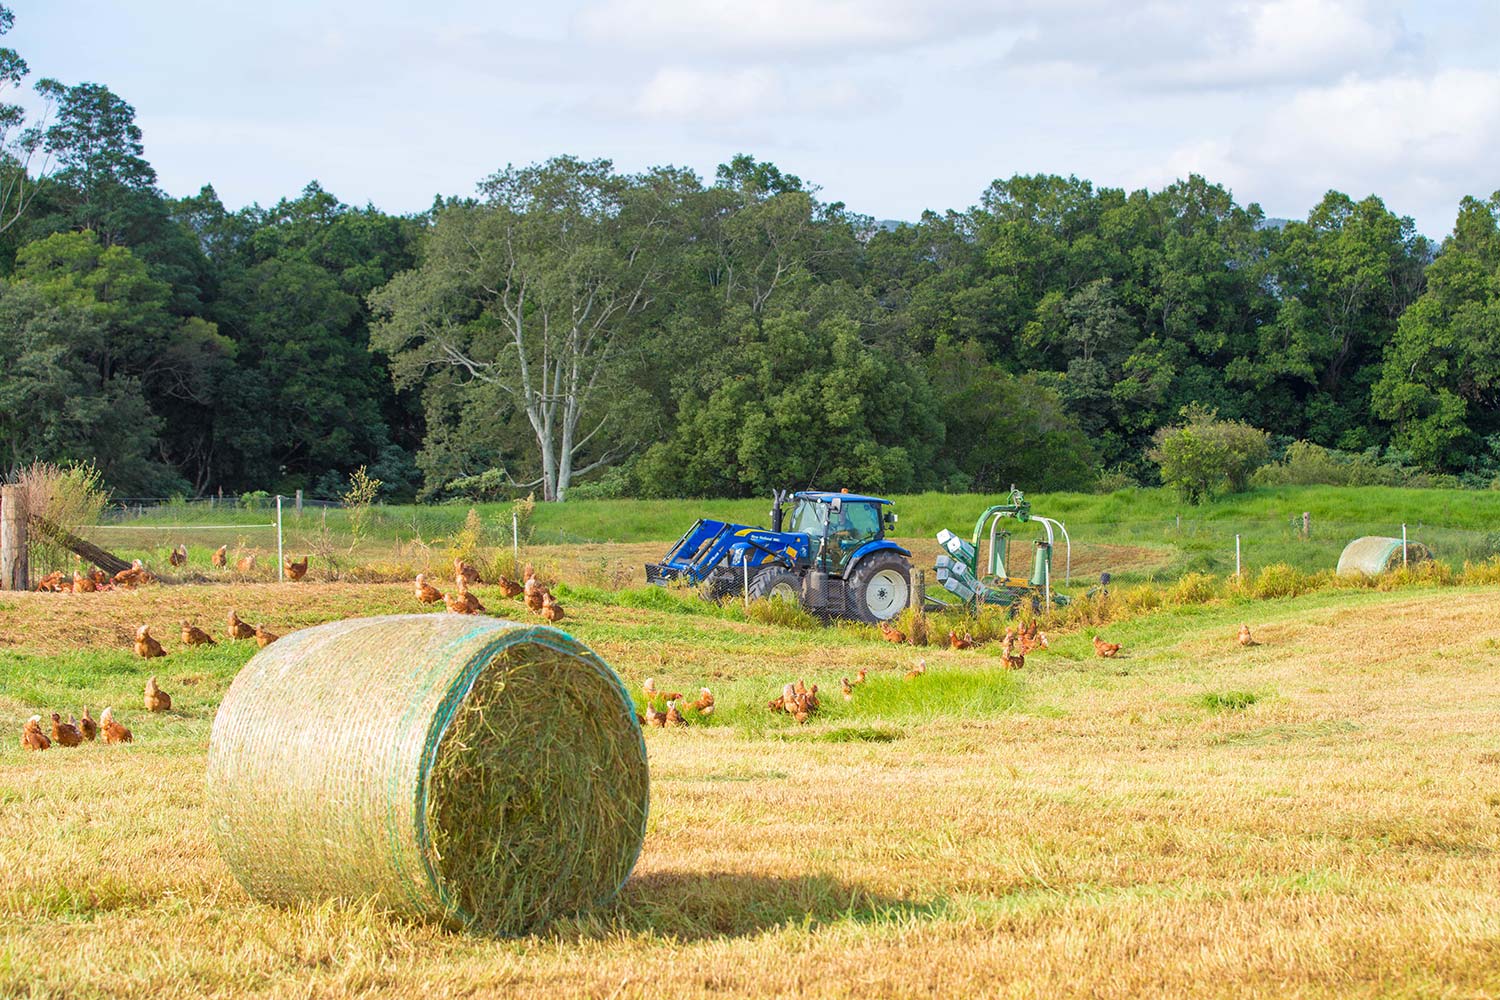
(147, 647)
(95, 581)
(1015, 645)
(98, 581)
(800, 701)
(663, 710)
(461, 600)
(76, 732)
(668, 710)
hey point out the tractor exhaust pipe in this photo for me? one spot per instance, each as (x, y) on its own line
(778, 497)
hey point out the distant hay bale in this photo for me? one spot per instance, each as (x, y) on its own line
(482, 772)
(1375, 554)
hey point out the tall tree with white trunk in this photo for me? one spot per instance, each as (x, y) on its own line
(536, 293)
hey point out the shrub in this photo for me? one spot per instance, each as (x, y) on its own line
(468, 539)
(1486, 572)
(613, 484)
(1114, 480)
(1308, 464)
(363, 489)
(1206, 456)
(491, 484)
(522, 510)
(1281, 580)
(1429, 573)
(1086, 612)
(915, 624)
(1192, 588)
(63, 499)
(1139, 599)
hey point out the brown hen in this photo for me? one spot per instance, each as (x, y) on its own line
(32, 737)
(146, 646)
(156, 700)
(65, 733)
(238, 629)
(192, 635)
(113, 731)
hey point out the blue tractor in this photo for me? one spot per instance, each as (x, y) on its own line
(833, 557)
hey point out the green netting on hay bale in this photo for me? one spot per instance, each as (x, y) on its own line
(1375, 554)
(483, 772)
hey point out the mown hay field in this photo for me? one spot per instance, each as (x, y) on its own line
(1315, 816)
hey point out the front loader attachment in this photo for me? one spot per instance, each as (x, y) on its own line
(694, 555)
(717, 547)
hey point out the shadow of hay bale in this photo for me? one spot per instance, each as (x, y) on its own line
(693, 906)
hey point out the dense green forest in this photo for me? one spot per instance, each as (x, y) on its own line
(572, 329)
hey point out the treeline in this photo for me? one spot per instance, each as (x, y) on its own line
(574, 330)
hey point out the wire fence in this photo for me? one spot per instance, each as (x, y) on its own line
(255, 538)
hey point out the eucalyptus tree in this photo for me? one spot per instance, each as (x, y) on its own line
(23, 153)
(530, 297)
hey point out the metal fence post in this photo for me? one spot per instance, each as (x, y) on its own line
(745, 562)
(515, 541)
(1237, 557)
(280, 559)
(1068, 560)
(1403, 545)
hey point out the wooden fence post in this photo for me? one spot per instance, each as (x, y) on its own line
(299, 503)
(13, 554)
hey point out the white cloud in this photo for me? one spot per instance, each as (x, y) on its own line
(731, 95)
(1187, 44)
(692, 93)
(1447, 120)
(782, 27)
(1418, 142)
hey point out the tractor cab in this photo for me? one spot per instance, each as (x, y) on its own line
(838, 525)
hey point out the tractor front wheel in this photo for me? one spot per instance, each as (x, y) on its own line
(880, 587)
(774, 582)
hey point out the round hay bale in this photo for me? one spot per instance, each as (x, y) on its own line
(1376, 554)
(482, 772)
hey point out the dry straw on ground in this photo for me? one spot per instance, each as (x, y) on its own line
(478, 771)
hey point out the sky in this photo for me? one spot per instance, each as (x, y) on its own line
(891, 106)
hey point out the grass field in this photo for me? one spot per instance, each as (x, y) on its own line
(1134, 534)
(1315, 816)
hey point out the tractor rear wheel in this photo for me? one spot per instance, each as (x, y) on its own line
(775, 582)
(879, 589)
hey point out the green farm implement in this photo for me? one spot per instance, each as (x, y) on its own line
(981, 571)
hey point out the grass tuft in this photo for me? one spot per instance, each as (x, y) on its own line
(786, 614)
(1227, 701)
